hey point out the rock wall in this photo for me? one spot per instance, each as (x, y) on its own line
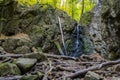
(104, 29)
(39, 22)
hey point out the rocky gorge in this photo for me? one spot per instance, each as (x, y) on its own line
(31, 42)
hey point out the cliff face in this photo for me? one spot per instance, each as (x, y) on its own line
(39, 22)
(111, 26)
(104, 29)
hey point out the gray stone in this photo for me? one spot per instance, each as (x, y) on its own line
(91, 76)
(9, 69)
(25, 64)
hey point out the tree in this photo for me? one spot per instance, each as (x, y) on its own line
(74, 8)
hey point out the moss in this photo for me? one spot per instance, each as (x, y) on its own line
(40, 74)
(44, 8)
(113, 55)
(9, 69)
(59, 47)
(86, 18)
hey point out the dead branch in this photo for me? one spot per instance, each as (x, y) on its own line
(8, 59)
(48, 70)
(11, 55)
(65, 69)
(97, 67)
(48, 55)
(10, 78)
(60, 57)
(84, 63)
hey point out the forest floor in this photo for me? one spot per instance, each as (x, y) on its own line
(64, 67)
(58, 67)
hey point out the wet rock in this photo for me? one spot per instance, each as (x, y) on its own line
(25, 64)
(30, 77)
(9, 69)
(91, 76)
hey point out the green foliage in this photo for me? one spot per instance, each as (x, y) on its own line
(87, 45)
(72, 7)
(86, 18)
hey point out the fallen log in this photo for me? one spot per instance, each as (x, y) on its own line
(10, 78)
(60, 57)
(65, 69)
(48, 55)
(97, 67)
(11, 55)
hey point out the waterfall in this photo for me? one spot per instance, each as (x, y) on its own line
(77, 38)
(76, 47)
(62, 36)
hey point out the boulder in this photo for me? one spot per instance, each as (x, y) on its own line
(9, 69)
(25, 64)
(91, 76)
(16, 45)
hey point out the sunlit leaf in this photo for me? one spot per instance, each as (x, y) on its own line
(72, 7)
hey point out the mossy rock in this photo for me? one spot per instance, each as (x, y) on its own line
(9, 69)
(113, 55)
(40, 22)
(14, 45)
(25, 64)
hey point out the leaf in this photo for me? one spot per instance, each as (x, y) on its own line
(74, 8)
